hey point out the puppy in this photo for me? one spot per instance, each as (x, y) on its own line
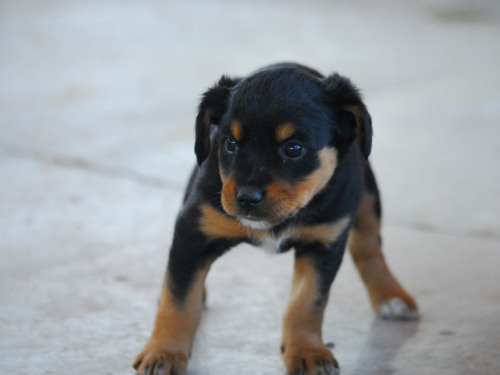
(282, 155)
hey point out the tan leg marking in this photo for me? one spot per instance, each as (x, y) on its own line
(302, 344)
(365, 247)
(171, 341)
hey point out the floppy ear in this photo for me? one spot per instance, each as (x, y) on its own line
(213, 105)
(345, 97)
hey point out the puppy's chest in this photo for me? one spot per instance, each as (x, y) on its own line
(275, 244)
(324, 234)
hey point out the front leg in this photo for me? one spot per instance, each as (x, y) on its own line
(169, 347)
(181, 303)
(302, 345)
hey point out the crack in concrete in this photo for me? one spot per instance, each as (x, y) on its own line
(418, 226)
(91, 167)
(157, 182)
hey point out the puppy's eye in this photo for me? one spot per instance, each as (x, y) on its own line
(293, 150)
(230, 144)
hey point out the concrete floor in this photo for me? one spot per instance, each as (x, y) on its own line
(97, 106)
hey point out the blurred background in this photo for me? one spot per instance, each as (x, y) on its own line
(97, 107)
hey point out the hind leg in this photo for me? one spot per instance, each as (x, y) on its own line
(387, 296)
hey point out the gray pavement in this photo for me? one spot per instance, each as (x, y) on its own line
(97, 106)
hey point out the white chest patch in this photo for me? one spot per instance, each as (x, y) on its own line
(325, 233)
(271, 244)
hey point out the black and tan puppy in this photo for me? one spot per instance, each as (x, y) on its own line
(282, 159)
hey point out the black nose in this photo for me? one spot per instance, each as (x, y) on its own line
(249, 198)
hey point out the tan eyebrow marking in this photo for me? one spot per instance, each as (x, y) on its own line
(284, 131)
(236, 130)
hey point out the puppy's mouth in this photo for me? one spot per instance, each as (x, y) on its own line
(264, 223)
(255, 224)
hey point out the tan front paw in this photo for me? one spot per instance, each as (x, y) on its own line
(309, 360)
(158, 360)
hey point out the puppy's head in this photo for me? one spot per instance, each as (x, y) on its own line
(280, 134)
